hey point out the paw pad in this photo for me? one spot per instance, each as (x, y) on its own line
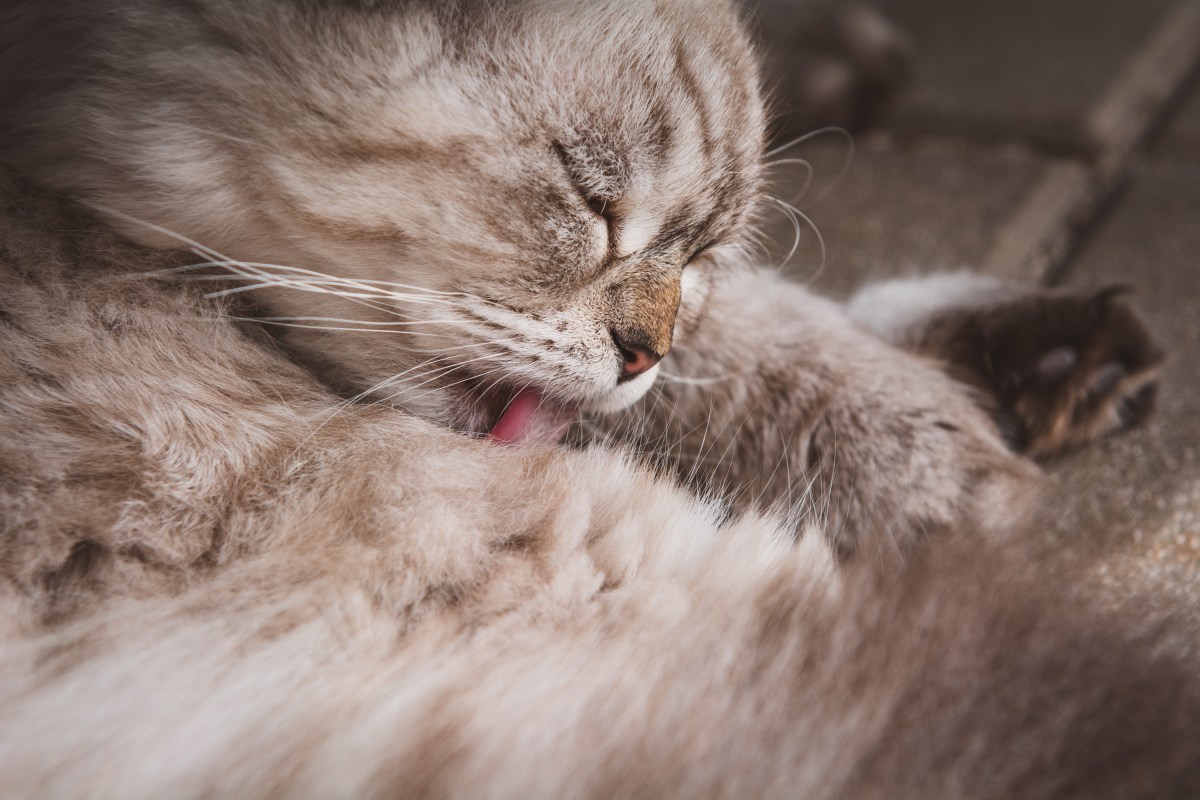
(1096, 374)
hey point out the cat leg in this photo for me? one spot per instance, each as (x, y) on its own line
(773, 398)
(1057, 368)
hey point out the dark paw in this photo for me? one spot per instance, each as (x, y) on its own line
(831, 63)
(1065, 368)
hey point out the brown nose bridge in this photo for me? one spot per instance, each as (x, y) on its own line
(643, 310)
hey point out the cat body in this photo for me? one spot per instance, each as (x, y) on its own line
(224, 577)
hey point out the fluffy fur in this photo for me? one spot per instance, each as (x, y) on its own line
(225, 577)
(217, 584)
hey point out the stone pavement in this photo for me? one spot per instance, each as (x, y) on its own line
(1054, 141)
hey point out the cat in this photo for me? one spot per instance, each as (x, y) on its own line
(312, 532)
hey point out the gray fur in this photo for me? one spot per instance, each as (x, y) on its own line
(221, 578)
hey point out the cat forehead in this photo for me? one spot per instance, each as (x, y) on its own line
(683, 180)
(671, 132)
(652, 108)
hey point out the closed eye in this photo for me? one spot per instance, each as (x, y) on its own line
(600, 206)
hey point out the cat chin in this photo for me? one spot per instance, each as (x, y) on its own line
(624, 395)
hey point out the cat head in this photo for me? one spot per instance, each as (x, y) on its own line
(487, 213)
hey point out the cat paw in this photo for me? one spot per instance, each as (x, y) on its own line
(907, 453)
(1065, 367)
(833, 63)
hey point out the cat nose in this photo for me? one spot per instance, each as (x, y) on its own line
(638, 359)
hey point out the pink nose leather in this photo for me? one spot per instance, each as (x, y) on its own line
(637, 361)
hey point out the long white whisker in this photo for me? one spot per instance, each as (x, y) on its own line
(355, 321)
(808, 177)
(845, 134)
(208, 251)
(795, 227)
(680, 379)
(362, 282)
(470, 345)
(268, 280)
(318, 287)
(341, 407)
(438, 373)
(815, 230)
(316, 274)
(330, 327)
(847, 162)
(366, 288)
(311, 285)
(385, 289)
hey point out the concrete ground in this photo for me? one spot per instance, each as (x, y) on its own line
(1054, 141)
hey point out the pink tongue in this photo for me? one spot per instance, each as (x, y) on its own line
(530, 417)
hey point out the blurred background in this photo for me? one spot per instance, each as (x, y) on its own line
(1051, 141)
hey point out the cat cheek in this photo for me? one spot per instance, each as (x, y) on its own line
(694, 287)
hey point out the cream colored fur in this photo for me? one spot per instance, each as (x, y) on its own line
(795, 568)
(223, 581)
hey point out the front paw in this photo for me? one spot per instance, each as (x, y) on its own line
(908, 452)
(1066, 367)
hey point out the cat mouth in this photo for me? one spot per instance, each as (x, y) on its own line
(532, 414)
(529, 415)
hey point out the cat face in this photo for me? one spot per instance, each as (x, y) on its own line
(485, 214)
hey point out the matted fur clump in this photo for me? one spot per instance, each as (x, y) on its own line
(353, 560)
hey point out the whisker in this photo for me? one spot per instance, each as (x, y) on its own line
(354, 321)
(330, 327)
(847, 162)
(346, 404)
(808, 176)
(268, 280)
(816, 232)
(842, 132)
(451, 368)
(308, 285)
(795, 227)
(680, 379)
(319, 287)
(365, 282)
